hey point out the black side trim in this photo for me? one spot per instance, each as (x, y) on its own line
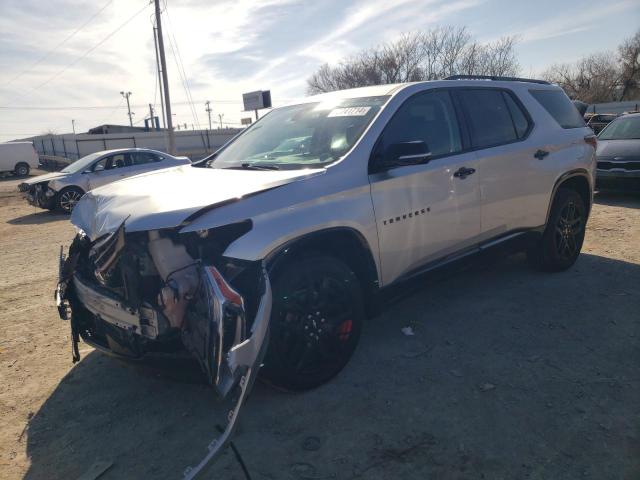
(514, 238)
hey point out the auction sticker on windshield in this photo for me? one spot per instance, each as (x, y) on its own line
(349, 112)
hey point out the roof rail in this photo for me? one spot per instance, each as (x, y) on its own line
(501, 79)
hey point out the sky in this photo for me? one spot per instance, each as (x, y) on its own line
(64, 60)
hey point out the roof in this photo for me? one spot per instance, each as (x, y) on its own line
(122, 150)
(390, 89)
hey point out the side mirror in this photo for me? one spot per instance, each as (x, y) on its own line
(405, 153)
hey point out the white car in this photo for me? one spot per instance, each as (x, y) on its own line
(273, 251)
(18, 157)
(62, 190)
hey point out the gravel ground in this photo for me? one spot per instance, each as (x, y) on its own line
(510, 374)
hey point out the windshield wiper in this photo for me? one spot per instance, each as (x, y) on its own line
(257, 166)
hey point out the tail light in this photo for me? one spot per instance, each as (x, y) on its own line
(591, 140)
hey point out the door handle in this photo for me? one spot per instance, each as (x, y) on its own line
(464, 172)
(540, 154)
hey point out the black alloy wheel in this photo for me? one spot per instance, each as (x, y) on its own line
(316, 320)
(561, 242)
(569, 230)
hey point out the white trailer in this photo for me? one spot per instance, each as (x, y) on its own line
(18, 157)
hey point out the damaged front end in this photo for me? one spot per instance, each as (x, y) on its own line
(161, 291)
(38, 194)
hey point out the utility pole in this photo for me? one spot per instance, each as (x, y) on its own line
(208, 110)
(155, 44)
(220, 115)
(73, 125)
(126, 95)
(153, 127)
(165, 80)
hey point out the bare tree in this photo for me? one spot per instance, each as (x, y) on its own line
(592, 79)
(629, 53)
(601, 77)
(429, 55)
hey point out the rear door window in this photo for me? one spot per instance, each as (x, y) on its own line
(558, 105)
(489, 117)
(141, 158)
(520, 121)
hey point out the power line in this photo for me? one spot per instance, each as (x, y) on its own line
(178, 60)
(106, 107)
(67, 38)
(60, 72)
(112, 112)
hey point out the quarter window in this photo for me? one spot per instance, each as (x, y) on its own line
(490, 118)
(428, 117)
(558, 105)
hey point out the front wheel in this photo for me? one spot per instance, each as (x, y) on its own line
(68, 198)
(562, 239)
(316, 319)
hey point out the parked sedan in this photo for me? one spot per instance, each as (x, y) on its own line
(62, 190)
(597, 122)
(618, 154)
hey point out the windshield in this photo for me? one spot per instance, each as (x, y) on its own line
(301, 136)
(622, 129)
(81, 164)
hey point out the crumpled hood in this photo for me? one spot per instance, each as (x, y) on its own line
(165, 198)
(45, 178)
(618, 148)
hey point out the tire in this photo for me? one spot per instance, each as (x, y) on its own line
(561, 242)
(316, 320)
(67, 199)
(21, 170)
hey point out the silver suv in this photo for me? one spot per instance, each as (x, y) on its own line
(286, 234)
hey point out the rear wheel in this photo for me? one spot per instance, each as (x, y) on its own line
(562, 239)
(21, 170)
(316, 320)
(68, 197)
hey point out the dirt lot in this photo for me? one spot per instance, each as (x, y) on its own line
(510, 374)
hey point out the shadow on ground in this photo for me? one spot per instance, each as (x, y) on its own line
(11, 176)
(38, 217)
(510, 374)
(618, 199)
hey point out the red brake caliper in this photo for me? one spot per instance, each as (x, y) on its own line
(344, 330)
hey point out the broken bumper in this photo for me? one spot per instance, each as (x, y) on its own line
(231, 347)
(38, 196)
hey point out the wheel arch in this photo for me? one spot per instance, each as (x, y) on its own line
(345, 243)
(578, 180)
(70, 187)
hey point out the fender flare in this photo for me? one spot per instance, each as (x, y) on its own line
(369, 268)
(578, 172)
